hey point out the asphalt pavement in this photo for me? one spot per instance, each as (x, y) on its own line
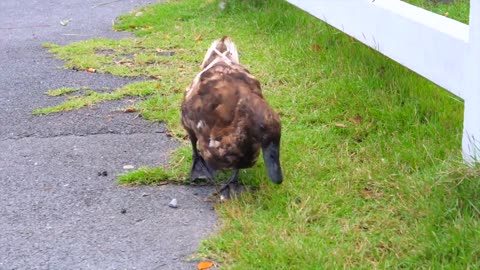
(60, 204)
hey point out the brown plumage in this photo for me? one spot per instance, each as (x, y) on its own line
(225, 112)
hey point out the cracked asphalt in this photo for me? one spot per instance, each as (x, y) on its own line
(57, 209)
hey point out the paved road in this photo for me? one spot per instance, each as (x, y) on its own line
(56, 212)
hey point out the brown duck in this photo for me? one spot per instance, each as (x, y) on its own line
(225, 112)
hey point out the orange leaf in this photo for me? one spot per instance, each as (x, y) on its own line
(130, 110)
(156, 77)
(91, 70)
(369, 193)
(356, 120)
(316, 47)
(204, 265)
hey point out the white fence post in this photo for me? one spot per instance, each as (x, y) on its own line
(471, 122)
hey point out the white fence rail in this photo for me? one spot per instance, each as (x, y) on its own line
(442, 50)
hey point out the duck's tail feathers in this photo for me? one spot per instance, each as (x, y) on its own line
(222, 49)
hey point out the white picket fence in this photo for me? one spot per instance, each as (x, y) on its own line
(440, 49)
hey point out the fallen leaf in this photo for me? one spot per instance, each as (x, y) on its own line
(356, 120)
(198, 38)
(446, 14)
(130, 110)
(166, 37)
(316, 47)
(340, 125)
(204, 265)
(156, 77)
(126, 63)
(369, 193)
(91, 70)
(149, 27)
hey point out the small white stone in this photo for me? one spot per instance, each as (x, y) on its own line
(222, 5)
(173, 203)
(65, 22)
(128, 167)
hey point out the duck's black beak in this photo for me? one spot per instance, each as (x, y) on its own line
(271, 157)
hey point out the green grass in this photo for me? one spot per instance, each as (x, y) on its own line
(370, 150)
(146, 176)
(141, 89)
(457, 9)
(61, 91)
(176, 172)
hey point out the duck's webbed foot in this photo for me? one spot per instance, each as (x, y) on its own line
(200, 170)
(231, 188)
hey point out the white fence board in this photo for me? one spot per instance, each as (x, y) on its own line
(413, 37)
(442, 50)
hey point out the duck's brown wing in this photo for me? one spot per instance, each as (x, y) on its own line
(211, 112)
